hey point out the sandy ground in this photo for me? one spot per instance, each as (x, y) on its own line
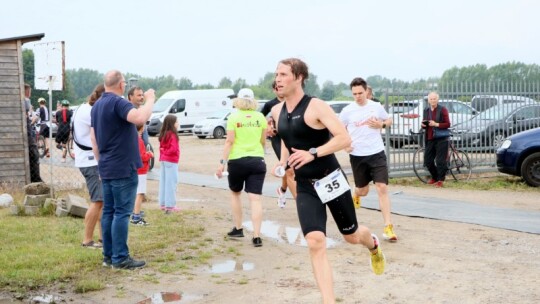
(433, 261)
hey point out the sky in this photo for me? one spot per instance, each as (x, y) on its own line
(339, 40)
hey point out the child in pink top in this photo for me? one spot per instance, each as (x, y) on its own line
(169, 155)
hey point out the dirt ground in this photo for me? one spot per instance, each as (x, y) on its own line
(433, 262)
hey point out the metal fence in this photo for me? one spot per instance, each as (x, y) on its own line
(482, 115)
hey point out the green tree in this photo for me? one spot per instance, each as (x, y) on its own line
(328, 91)
(225, 83)
(311, 87)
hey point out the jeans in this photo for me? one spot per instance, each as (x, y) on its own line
(168, 178)
(118, 202)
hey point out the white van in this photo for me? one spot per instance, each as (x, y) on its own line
(189, 106)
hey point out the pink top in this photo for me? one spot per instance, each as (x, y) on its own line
(169, 148)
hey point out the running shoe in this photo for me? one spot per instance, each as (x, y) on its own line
(357, 201)
(236, 232)
(431, 181)
(439, 184)
(257, 242)
(282, 200)
(389, 234)
(377, 260)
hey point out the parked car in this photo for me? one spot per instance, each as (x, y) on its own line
(214, 125)
(519, 155)
(491, 127)
(407, 115)
(337, 106)
(484, 102)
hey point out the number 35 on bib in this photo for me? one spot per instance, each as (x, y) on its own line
(331, 186)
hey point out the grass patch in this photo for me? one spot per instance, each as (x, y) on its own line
(479, 182)
(44, 251)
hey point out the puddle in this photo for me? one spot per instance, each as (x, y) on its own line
(169, 297)
(230, 266)
(284, 234)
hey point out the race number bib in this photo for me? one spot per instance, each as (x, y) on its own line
(332, 186)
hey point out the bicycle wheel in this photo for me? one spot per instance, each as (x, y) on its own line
(460, 165)
(418, 166)
(69, 147)
(41, 146)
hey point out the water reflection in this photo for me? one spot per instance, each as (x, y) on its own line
(284, 234)
(231, 265)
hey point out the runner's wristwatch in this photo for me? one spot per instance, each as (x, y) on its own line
(313, 151)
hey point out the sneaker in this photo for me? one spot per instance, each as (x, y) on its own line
(377, 260)
(389, 234)
(129, 264)
(257, 242)
(357, 201)
(92, 245)
(439, 184)
(431, 181)
(236, 232)
(142, 213)
(139, 222)
(282, 200)
(107, 262)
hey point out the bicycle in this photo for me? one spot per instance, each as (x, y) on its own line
(459, 164)
(40, 141)
(69, 147)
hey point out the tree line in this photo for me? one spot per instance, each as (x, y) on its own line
(79, 83)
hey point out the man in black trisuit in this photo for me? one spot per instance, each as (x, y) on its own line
(287, 181)
(305, 125)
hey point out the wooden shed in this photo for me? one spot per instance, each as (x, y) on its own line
(14, 159)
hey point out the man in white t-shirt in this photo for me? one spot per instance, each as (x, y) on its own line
(87, 164)
(364, 120)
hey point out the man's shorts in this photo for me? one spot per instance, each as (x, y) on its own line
(95, 188)
(44, 130)
(141, 186)
(369, 168)
(249, 171)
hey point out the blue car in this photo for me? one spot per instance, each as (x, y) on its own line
(519, 155)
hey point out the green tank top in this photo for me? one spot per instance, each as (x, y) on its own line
(248, 128)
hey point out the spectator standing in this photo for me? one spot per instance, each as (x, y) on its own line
(287, 181)
(44, 121)
(33, 153)
(63, 119)
(88, 166)
(305, 125)
(136, 97)
(137, 217)
(364, 119)
(115, 145)
(435, 117)
(370, 95)
(244, 154)
(169, 155)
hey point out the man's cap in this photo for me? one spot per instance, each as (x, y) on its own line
(41, 99)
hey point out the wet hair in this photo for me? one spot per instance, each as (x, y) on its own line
(168, 125)
(358, 81)
(96, 94)
(131, 91)
(298, 68)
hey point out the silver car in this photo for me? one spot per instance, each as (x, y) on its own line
(213, 125)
